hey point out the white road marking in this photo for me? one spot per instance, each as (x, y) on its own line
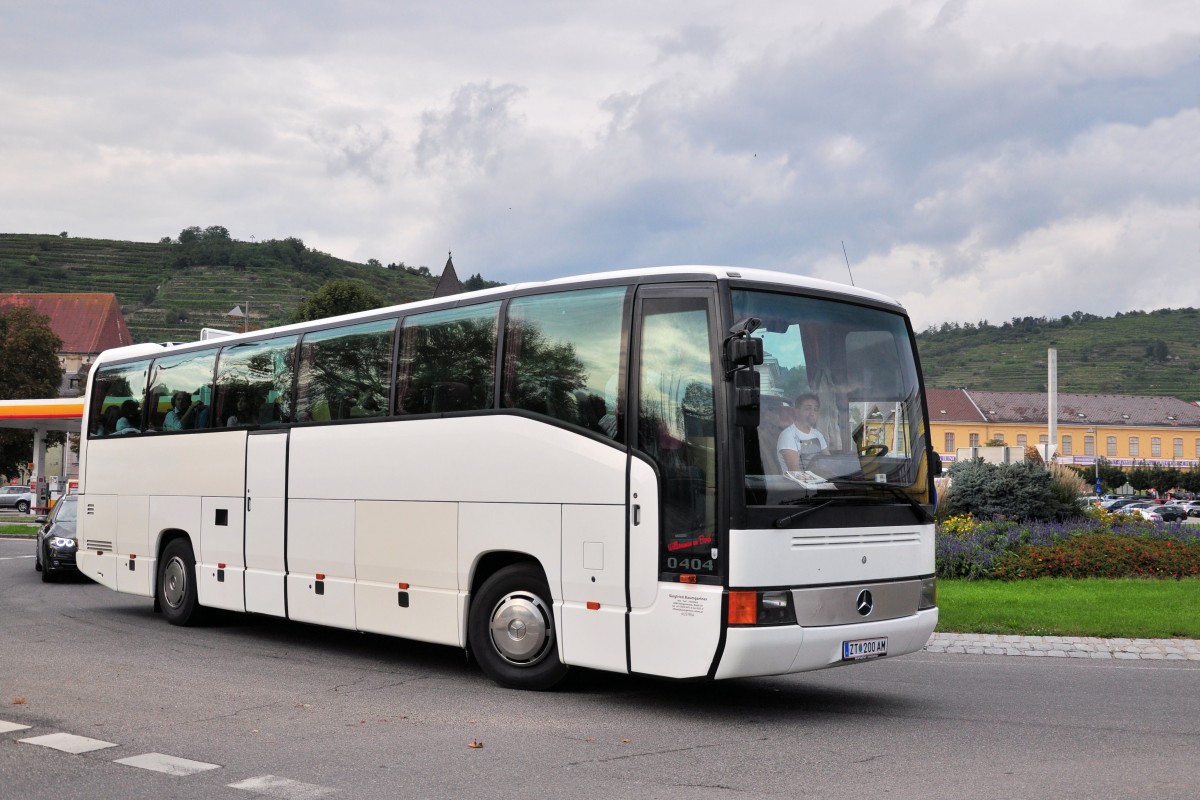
(6, 727)
(171, 765)
(68, 742)
(16, 558)
(282, 787)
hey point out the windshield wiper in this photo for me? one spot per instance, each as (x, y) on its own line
(922, 513)
(817, 503)
(820, 502)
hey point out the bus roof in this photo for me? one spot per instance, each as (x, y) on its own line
(680, 272)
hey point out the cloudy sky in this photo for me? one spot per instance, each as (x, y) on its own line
(979, 160)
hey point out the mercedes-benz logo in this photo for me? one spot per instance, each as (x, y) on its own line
(865, 603)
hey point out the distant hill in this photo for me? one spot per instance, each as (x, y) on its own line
(1153, 353)
(170, 289)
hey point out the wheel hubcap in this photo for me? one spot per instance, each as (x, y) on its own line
(174, 582)
(520, 628)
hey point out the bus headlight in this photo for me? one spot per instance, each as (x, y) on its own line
(775, 608)
(928, 594)
(761, 608)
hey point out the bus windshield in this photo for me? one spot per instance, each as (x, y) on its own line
(840, 410)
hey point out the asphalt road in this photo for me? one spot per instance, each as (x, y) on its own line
(286, 710)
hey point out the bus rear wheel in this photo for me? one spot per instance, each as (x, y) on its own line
(176, 586)
(511, 630)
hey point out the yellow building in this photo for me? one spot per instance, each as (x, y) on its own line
(1125, 430)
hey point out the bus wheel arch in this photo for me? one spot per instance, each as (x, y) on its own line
(175, 590)
(510, 625)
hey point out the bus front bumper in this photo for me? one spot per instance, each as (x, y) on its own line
(777, 650)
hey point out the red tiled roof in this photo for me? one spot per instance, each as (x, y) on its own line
(952, 405)
(1088, 409)
(86, 322)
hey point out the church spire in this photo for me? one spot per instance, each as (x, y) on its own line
(449, 283)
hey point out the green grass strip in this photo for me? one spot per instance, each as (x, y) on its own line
(1131, 608)
(18, 530)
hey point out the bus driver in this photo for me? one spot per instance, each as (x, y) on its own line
(801, 440)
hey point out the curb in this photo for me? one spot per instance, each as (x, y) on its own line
(1065, 647)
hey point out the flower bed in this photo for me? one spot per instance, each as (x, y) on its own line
(1099, 545)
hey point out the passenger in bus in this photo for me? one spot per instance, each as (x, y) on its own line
(183, 413)
(801, 440)
(130, 420)
(107, 425)
(243, 415)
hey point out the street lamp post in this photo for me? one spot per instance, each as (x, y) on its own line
(1096, 456)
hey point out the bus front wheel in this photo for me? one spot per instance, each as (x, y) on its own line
(176, 587)
(511, 630)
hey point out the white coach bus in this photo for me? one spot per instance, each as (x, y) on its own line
(687, 472)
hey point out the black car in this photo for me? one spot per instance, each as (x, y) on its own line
(56, 544)
(1170, 513)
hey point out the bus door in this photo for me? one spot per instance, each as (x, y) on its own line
(266, 501)
(675, 568)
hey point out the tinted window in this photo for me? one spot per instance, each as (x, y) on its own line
(447, 361)
(181, 391)
(840, 401)
(563, 356)
(344, 372)
(676, 428)
(254, 383)
(117, 396)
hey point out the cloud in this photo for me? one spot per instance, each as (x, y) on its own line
(979, 160)
(356, 151)
(471, 132)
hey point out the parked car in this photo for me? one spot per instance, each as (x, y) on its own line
(1192, 507)
(56, 543)
(1170, 513)
(18, 497)
(1144, 513)
(1117, 505)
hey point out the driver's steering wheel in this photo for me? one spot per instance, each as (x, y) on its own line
(874, 451)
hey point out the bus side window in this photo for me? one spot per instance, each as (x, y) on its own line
(251, 375)
(181, 383)
(344, 372)
(447, 361)
(117, 397)
(563, 354)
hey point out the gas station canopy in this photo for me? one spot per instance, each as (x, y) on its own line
(58, 414)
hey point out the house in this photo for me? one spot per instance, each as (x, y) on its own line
(1124, 430)
(87, 324)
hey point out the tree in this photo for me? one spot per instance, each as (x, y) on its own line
(29, 368)
(337, 297)
(477, 282)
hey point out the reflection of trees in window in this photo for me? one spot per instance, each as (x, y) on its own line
(543, 376)
(675, 428)
(344, 373)
(260, 374)
(447, 364)
(563, 354)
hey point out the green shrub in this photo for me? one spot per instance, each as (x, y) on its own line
(1023, 490)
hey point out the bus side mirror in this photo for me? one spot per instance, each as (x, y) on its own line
(745, 351)
(747, 393)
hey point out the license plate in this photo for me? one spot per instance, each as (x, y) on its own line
(864, 648)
